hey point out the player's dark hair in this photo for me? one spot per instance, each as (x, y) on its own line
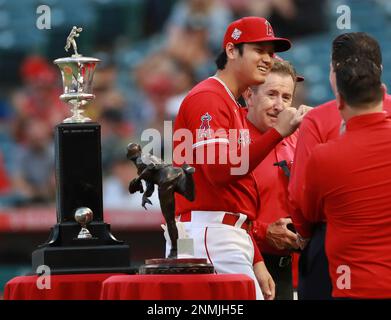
(356, 60)
(356, 44)
(359, 82)
(221, 59)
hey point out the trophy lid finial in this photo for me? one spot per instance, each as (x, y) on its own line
(75, 32)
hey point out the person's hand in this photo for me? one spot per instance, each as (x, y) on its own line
(265, 280)
(280, 237)
(301, 112)
(302, 242)
(290, 118)
(135, 185)
(287, 121)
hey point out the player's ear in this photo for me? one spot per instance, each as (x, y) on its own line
(340, 101)
(230, 50)
(247, 95)
(384, 90)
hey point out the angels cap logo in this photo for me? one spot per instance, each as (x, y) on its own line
(269, 29)
(205, 126)
(236, 34)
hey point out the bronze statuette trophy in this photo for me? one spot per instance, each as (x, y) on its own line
(169, 180)
(81, 241)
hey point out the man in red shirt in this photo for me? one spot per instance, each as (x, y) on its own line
(320, 125)
(211, 126)
(352, 187)
(270, 229)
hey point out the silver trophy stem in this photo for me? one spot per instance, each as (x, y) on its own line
(77, 114)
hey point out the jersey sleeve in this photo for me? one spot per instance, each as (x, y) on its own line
(259, 230)
(208, 118)
(257, 253)
(202, 123)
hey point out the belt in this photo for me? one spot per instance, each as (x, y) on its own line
(228, 219)
(281, 261)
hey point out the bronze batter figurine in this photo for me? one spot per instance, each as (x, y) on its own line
(169, 180)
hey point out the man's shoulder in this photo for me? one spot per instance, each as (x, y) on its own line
(208, 86)
(330, 151)
(323, 120)
(207, 97)
(326, 109)
(325, 154)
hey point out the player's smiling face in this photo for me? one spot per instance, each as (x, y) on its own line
(269, 99)
(256, 62)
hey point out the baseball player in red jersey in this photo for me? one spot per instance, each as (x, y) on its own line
(320, 125)
(224, 154)
(352, 187)
(270, 230)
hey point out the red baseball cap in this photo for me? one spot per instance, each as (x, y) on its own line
(254, 29)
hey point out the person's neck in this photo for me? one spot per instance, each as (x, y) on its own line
(231, 82)
(252, 118)
(350, 112)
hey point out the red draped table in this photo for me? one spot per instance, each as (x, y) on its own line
(179, 287)
(62, 287)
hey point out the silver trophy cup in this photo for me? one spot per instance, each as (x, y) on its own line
(77, 75)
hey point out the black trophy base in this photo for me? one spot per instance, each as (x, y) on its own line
(65, 253)
(79, 184)
(83, 259)
(176, 266)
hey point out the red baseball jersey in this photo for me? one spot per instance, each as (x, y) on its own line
(320, 125)
(350, 184)
(211, 125)
(272, 183)
(218, 130)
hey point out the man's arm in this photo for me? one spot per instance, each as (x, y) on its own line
(265, 280)
(312, 199)
(276, 234)
(150, 188)
(309, 137)
(215, 136)
(226, 160)
(257, 253)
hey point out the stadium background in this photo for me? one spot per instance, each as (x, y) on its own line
(152, 53)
